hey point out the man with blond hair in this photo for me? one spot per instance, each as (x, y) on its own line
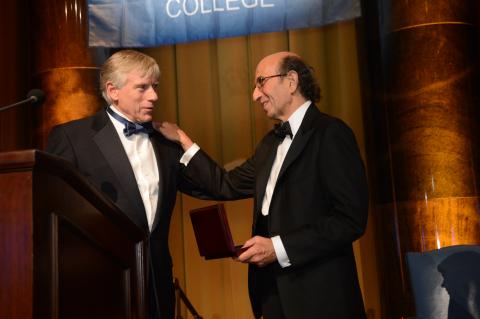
(133, 165)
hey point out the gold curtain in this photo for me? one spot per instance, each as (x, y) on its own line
(206, 87)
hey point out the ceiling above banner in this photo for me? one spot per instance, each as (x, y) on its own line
(148, 23)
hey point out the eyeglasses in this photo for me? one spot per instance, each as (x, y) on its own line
(260, 81)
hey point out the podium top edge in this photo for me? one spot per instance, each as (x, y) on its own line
(15, 160)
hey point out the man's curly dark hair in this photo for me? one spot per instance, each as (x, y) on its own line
(306, 80)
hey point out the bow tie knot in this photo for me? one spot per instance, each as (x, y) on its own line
(135, 128)
(130, 127)
(282, 130)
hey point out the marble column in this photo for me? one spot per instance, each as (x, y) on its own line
(64, 66)
(425, 130)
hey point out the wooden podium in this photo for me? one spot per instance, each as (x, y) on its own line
(65, 250)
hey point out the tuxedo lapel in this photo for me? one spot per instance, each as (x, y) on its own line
(301, 139)
(163, 176)
(112, 149)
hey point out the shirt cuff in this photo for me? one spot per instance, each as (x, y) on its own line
(280, 252)
(187, 156)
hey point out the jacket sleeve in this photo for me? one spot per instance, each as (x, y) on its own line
(205, 179)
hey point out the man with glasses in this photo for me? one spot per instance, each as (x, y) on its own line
(310, 199)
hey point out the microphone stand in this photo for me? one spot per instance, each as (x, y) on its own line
(30, 99)
(181, 296)
(33, 96)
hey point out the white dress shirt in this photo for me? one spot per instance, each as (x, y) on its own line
(140, 153)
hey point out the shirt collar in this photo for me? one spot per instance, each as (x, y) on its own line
(114, 109)
(296, 118)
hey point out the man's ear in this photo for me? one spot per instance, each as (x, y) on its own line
(292, 78)
(112, 91)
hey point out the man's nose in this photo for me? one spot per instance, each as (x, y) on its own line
(257, 93)
(152, 94)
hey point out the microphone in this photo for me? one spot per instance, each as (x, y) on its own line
(35, 96)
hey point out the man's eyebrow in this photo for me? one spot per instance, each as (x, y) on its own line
(146, 83)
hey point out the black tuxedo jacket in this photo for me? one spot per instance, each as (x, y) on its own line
(319, 207)
(93, 146)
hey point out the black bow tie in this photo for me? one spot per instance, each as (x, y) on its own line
(282, 130)
(130, 127)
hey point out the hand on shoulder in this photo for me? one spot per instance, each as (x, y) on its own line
(172, 132)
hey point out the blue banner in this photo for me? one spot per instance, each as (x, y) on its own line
(146, 23)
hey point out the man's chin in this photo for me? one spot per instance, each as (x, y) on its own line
(147, 118)
(267, 113)
(270, 115)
